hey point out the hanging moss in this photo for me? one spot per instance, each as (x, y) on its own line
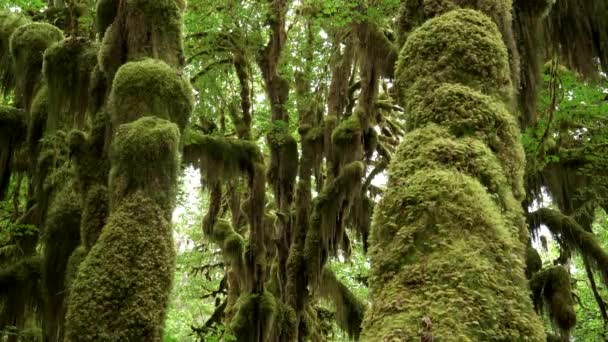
(87, 153)
(462, 46)
(326, 232)
(221, 158)
(536, 8)
(67, 70)
(37, 124)
(229, 240)
(283, 166)
(144, 157)
(533, 261)
(551, 288)
(9, 22)
(121, 291)
(27, 46)
(251, 310)
(143, 29)
(448, 220)
(19, 292)
(150, 87)
(12, 134)
(346, 139)
(105, 14)
(94, 215)
(349, 309)
(61, 236)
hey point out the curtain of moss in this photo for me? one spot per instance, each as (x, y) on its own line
(447, 242)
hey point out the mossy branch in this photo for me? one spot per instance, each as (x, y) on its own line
(349, 308)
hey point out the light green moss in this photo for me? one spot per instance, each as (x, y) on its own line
(9, 22)
(462, 46)
(27, 46)
(144, 157)
(67, 70)
(448, 220)
(347, 135)
(121, 291)
(466, 112)
(150, 88)
(231, 242)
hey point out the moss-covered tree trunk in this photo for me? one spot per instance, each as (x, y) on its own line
(447, 242)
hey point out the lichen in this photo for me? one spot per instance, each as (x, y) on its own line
(121, 291)
(144, 157)
(150, 87)
(27, 46)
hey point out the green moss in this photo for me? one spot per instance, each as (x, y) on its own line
(87, 153)
(106, 12)
(283, 167)
(144, 157)
(229, 240)
(462, 46)
(536, 8)
(71, 270)
(551, 288)
(448, 220)
(150, 88)
(12, 134)
(221, 157)
(67, 70)
(346, 137)
(61, 236)
(121, 291)
(27, 46)
(9, 22)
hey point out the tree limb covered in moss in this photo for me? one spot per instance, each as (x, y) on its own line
(349, 309)
(570, 232)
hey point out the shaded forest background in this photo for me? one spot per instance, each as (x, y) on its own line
(259, 138)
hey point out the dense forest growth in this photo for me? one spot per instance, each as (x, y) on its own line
(319, 170)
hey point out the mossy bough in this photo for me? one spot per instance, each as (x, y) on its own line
(67, 70)
(551, 288)
(9, 22)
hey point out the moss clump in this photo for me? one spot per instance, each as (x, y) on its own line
(121, 291)
(449, 221)
(221, 157)
(9, 22)
(27, 46)
(144, 156)
(346, 138)
(461, 46)
(67, 70)
(229, 240)
(106, 13)
(150, 87)
(61, 236)
(551, 288)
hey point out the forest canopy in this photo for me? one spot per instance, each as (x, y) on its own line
(314, 170)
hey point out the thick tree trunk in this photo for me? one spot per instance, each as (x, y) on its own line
(447, 241)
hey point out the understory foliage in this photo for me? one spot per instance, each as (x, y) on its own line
(432, 146)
